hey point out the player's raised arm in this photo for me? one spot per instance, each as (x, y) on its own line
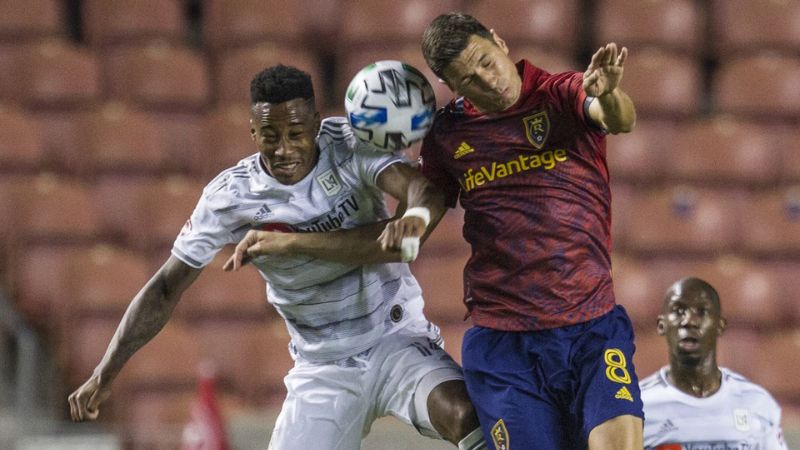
(146, 315)
(612, 108)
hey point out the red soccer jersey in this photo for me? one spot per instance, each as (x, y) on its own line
(533, 183)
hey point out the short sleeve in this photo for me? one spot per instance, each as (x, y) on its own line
(368, 163)
(434, 171)
(202, 236)
(567, 87)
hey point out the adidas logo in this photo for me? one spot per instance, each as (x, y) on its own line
(667, 427)
(624, 394)
(262, 213)
(462, 150)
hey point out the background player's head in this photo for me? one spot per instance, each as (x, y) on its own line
(472, 60)
(284, 122)
(691, 320)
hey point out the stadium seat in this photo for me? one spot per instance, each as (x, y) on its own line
(550, 23)
(260, 361)
(123, 22)
(790, 156)
(663, 84)
(85, 344)
(158, 76)
(684, 219)
(748, 26)
(41, 277)
(771, 82)
(30, 20)
(778, 355)
(183, 135)
(9, 53)
(236, 67)
(384, 23)
(638, 288)
(21, 146)
(546, 58)
(228, 139)
(227, 295)
(441, 277)
(723, 150)
(757, 295)
(640, 156)
(354, 59)
(169, 360)
(651, 352)
(667, 24)
(772, 223)
(117, 138)
(55, 74)
(738, 350)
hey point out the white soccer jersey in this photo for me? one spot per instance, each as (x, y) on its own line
(740, 416)
(332, 310)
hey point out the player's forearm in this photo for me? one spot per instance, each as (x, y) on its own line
(352, 246)
(423, 193)
(145, 317)
(617, 111)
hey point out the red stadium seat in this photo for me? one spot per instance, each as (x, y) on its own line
(227, 295)
(662, 83)
(22, 147)
(228, 137)
(546, 58)
(55, 74)
(723, 150)
(684, 219)
(441, 278)
(41, 277)
(748, 25)
(85, 346)
(119, 139)
(787, 139)
(639, 289)
(183, 135)
(235, 68)
(371, 21)
(651, 352)
(771, 82)
(9, 53)
(757, 295)
(169, 360)
(667, 24)
(158, 76)
(168, 205)
(738, 349)
(778, 355)
(641, 154)
(123, 22)
(547, 22)
(31, 20)
(355, 59)
(230, 23)
(772, 224)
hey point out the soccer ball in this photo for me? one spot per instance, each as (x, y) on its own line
(390, 105)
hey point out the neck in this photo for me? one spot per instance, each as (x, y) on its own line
(696, 378)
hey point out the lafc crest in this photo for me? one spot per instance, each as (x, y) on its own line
(537, 128)
(500, 436)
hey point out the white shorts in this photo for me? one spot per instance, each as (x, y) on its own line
(331, 406)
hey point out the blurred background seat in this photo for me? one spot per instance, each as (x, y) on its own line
(772, 224)
(667, 24)
(548, 23)
(227, 137)
(751, 25)
(640, 156)
(21, 146)
(29, 20)
(771, 81)
(115, 22)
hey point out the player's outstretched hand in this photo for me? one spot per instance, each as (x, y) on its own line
(605, 71)
(256, 243)
(403, 235)
(84, 403)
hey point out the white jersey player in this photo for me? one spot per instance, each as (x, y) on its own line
(693, 404)
(740, 416)
(361, 345)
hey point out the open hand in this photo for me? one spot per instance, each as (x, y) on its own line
(605, 71)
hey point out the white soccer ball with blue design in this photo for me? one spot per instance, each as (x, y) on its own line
(390, 105)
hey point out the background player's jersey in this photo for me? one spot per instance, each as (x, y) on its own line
(533, 182)
(332, 310)
(740, 416)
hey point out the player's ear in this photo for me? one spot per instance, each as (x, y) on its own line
(252, 131)
(721, 326)
(499, 41)
(661, 328)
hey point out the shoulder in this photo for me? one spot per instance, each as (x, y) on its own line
(745, 388)
(230, 185)
(653, 383)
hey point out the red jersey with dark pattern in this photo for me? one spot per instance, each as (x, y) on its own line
(534, 185)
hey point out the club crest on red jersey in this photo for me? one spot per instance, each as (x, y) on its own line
(537, 128)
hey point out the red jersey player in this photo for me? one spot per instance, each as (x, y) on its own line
(548, 363)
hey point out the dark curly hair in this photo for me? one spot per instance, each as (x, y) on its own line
(278, 84)
(447, 36)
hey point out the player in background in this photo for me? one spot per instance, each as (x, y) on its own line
(361, 345)
(548, 362)
(693, 403)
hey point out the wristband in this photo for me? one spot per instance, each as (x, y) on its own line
(421, 212)
(409, 249)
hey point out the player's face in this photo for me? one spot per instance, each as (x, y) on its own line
(285, 134)
(691, 323)
(485, 75)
